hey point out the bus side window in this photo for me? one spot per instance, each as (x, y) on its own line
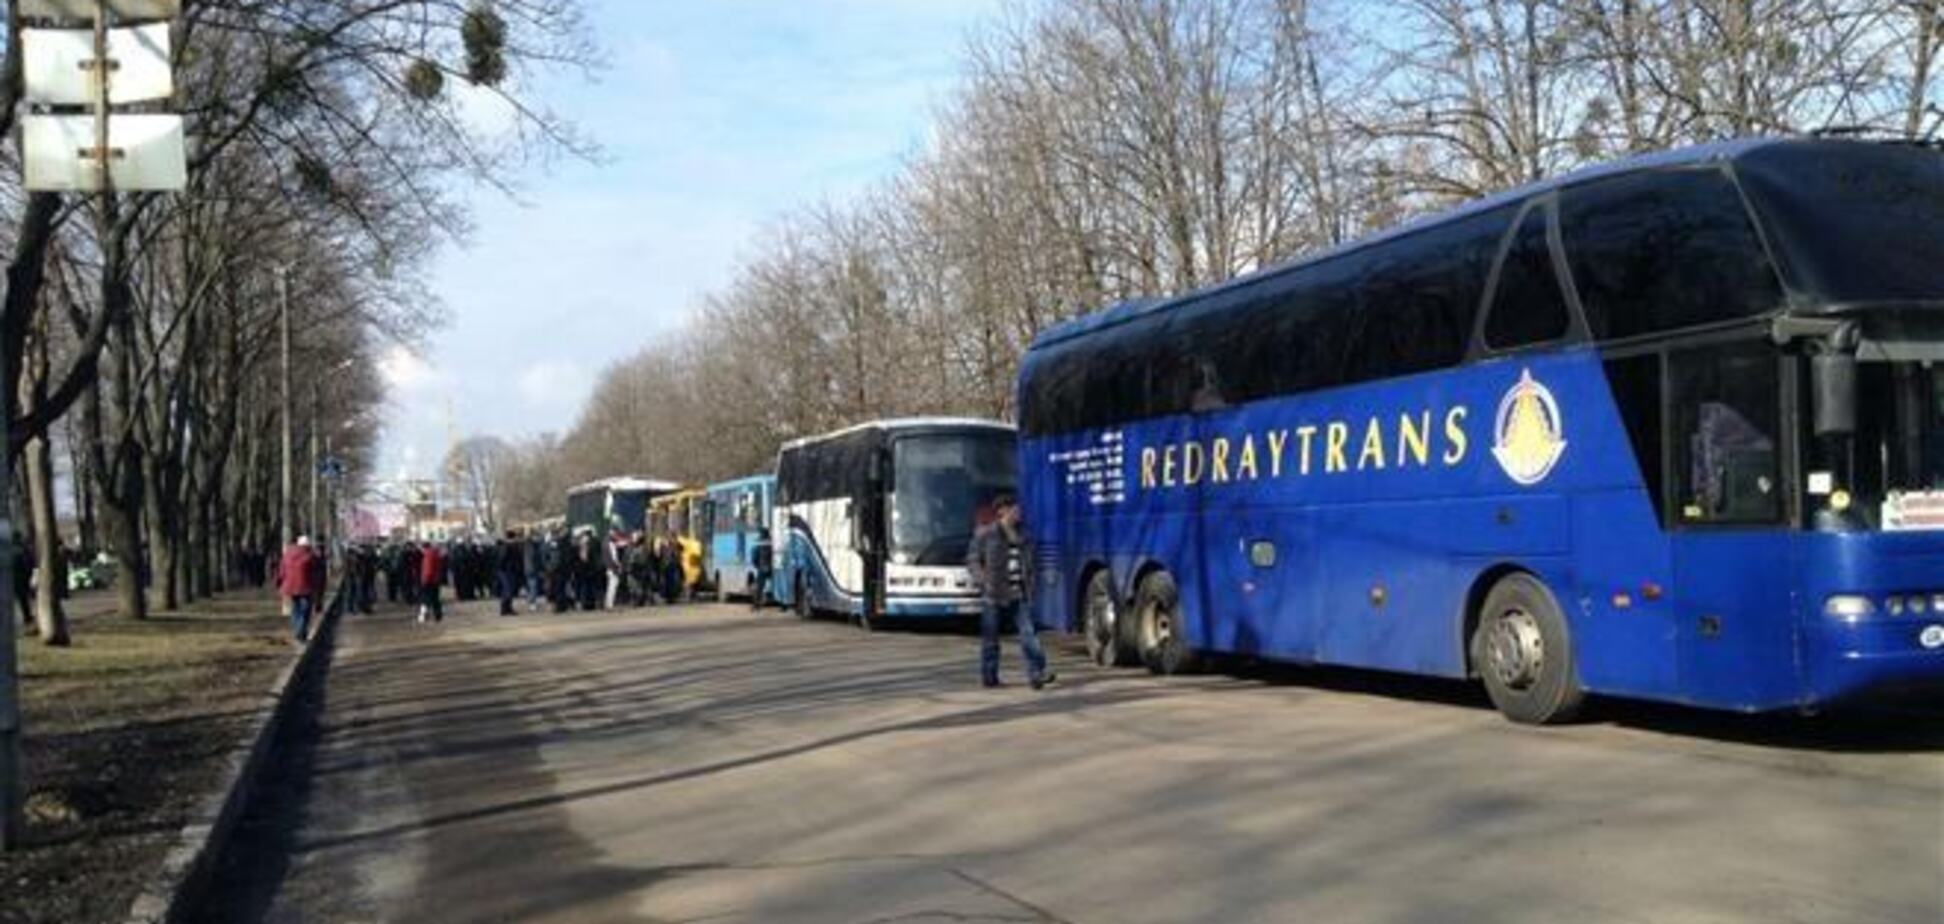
(1726, 405)
(1528, 307)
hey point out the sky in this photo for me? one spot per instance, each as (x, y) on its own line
(714, 117)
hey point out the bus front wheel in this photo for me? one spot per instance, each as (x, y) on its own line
(1109, 643)
(1522, 650)
(1163, 642)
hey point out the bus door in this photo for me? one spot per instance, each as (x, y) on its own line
(705, 534)
(745, 521)
(1733, 556)
(868, 521)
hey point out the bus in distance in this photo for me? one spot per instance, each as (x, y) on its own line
(1670, 428)
(741, 510)
(682, 517)
(876, 521)
(599, 505)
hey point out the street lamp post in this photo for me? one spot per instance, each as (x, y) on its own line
(311, 517)
(284, 513)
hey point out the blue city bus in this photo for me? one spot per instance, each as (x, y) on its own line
(741, 512)
(1670, 428)
(876, 521)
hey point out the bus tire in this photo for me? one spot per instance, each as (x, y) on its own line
(1108, 639)
(1522, 650)
(1164, 647)
(800, 600)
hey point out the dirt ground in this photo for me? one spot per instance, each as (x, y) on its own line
(126, 734)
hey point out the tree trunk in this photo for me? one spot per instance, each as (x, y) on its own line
(162, 536)
(81, 480)
(48, 613)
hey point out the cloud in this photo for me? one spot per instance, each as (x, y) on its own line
(484, 110)
(553, 383)
(405, 371)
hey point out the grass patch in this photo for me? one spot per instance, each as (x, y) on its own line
(126, 734)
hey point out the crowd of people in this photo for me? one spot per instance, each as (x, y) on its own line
(558, 570)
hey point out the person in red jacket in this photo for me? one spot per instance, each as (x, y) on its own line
(432, 573)
(297, 581)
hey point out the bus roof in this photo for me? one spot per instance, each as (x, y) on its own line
(626, 483)
(905, 423)
(1134, 308)
(734, 483)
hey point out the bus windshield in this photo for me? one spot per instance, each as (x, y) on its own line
(941, 484)
(1892, 468)
(630, 509)
(1856, 222)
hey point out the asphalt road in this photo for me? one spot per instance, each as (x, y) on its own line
(708, 764)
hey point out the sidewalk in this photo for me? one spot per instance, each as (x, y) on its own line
(126, 733)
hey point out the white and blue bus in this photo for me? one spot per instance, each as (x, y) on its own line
(875, 521)
(1670, 428)
(600, 506)
(740, 512)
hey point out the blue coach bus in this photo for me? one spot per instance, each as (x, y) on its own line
(876, 520)
(1670, 428)
(741, 513)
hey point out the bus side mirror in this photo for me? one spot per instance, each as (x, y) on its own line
(1833, 387)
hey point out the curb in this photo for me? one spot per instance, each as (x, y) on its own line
(186, 869)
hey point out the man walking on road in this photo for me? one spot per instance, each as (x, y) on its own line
(432, 574)
(297, 581)
(512, 565)
(1002, 564)
(763, 560)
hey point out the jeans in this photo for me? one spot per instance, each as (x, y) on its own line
(430, 600)
(759, 593)
(300, 615)
(990, 619)
(533, 589)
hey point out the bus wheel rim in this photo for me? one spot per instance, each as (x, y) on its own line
(1160, 624)
(1100, 622)
(1518, 649)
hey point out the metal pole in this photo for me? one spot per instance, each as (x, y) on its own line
(315, 513)
(284, 513)
(330, 490)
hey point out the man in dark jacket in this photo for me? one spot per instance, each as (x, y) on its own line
(533, 563)
(763, 560)
(512, 570)
(1002, 566)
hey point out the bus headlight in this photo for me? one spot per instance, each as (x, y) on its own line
(1853, 607)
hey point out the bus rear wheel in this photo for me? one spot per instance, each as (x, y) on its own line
(1164, 645)
(1109, 643)
(1522, 650)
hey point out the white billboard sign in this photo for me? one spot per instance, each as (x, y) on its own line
(84, 10)
(148, 153)
(60, 71)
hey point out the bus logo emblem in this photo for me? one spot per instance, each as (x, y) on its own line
(1529, 436)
